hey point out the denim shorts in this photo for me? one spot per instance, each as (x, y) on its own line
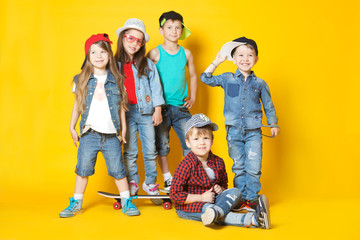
(91, 143)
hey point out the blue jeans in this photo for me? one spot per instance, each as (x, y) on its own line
(177, 118)
(135, 122)
(224, 203)
(245, 149)
(91, 143)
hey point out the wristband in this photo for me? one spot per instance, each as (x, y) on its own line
(214, 64)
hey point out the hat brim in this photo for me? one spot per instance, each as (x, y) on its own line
(186, 32)
(228, 47)
(214, 126)
(119, 30)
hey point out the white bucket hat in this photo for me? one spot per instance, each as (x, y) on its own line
(134, 23)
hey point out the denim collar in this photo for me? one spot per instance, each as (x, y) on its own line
(242, 77)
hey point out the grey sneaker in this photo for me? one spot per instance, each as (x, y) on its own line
(133, 188)
(128, 206)
(210, 216)
(262, 213)
(73, 209)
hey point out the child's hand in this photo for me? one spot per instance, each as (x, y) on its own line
(208, 196)
(189, 103)
(123, 135)
(74, 136)
(275, 131)
(219, 59)
(218, 189)
(157, 117)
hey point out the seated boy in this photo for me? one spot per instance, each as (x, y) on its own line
(199, 187)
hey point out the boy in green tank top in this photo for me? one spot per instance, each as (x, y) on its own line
(171, 61)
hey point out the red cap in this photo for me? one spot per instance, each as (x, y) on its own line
(95, 38)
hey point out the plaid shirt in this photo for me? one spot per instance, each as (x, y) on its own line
(191, 178)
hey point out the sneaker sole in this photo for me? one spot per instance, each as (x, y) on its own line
(130, 214)
(68, 215)
(264, 203)
(208, 217)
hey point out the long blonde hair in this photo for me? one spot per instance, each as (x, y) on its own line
(88, 69)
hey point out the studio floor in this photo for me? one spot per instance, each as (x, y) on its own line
(29, 217)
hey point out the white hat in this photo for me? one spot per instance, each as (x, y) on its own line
(228, 47)
(134, 23)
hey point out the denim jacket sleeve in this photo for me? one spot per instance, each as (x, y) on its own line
(211, 80)
(155, 85)
(268, 105)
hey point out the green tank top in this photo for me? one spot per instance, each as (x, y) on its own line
(172, 71)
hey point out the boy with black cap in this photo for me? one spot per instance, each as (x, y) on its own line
(243, 115)
(171, 60)
(199, 188)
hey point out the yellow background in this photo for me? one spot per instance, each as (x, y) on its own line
(308, 54)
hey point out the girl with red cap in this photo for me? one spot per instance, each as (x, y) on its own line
(100, 99)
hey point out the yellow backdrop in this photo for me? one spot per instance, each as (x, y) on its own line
(308, 54)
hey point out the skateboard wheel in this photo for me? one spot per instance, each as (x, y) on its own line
(167, 205)
(117, 206)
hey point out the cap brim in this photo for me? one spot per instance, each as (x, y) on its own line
(186, 32)
(228, 47)
(119, 30)
(214, 126)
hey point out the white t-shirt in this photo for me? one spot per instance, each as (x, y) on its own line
(99, 117)
(210, 172)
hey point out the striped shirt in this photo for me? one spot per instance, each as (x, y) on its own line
(191, 178)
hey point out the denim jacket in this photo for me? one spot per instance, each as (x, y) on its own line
(242, 99)
(113, 96)
(148, 89)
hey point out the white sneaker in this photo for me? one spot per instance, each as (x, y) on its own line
(133, 188)
(151, 189)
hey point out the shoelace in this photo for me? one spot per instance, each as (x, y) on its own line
(72, 204)
(129, 204)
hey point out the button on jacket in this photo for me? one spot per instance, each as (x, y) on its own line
(243, 99)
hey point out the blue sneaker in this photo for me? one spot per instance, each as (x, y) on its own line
(128, 206)
(73, 209)
(262, 213)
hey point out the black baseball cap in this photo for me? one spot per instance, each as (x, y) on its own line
(172, 15)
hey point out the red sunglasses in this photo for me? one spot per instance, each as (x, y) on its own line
(131, 39)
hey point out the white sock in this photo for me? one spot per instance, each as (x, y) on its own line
(167, 176)
(125, 194)
(78, 196)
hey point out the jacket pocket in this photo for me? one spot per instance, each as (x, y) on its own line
(233, 89)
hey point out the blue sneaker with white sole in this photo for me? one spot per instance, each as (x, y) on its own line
(128, 207)
(73, 209)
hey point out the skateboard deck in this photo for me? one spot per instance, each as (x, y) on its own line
(166, 202)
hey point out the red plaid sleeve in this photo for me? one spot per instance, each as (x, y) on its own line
(178, 190)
